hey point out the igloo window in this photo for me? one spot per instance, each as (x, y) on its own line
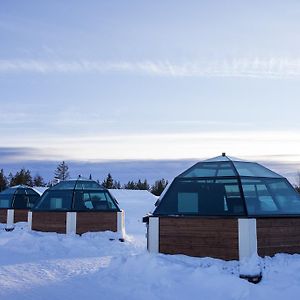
(188, 202)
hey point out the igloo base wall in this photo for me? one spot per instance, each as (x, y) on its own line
(3, 216)
(224, 238)
(96, 221)
(79, 222)
(199, 237)
(19, 215)
(278, 235)
(49, 221)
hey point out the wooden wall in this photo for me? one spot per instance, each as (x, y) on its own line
(3, 215)
(278, 235)
(20, 215)
(96, 221)
(49, 221)
(198, 236)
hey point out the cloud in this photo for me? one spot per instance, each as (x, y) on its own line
(16, 153)
(243, 67)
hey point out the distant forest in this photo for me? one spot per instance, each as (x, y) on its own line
(62, 173)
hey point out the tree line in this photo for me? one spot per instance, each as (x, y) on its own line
(62, 173)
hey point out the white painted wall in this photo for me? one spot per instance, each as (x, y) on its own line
(153, 235)
(247, 238)
(121, 223)
(29, 220)
(71, 222)
(10, 219)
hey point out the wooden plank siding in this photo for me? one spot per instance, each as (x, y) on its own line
(96, 221)
(20, 215)
(201, 237)
(3, 216)
(49, 221)
(278, 235)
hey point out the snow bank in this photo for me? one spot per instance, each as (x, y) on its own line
(53, 266)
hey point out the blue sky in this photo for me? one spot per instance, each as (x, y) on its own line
(125, 80)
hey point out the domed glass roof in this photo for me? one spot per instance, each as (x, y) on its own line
(226, 186)
(18, 197)
(77, 195)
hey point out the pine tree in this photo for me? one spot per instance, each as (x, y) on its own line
(22, 177)
(158, 187)
(62, 171)
(3, 181)
(142, 185)
(117, 185)
(130, 186)
(108, 182)
(38, 180)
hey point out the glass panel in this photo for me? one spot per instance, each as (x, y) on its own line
(8, 191)
(270, 197)
(20, 201)
(196, 198)
(217, 159)
(5, 201)
(210, 170)
(55, 200)
(93, 200)
(188, 202)
(87, 185)
(65, 185)
(33, 199)
(254, 169)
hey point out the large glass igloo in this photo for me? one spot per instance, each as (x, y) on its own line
(77, 195)
(226, 208)
(225, 186)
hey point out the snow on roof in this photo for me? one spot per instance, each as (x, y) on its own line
(40, 189)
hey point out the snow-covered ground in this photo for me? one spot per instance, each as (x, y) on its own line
(42, 266)
(136, 204)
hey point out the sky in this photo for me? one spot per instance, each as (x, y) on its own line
(106, 81)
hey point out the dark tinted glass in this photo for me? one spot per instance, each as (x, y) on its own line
(20, 201)
(6, 200)
(55, 200)
(93, 200)
(198, 198)
(270, 197)
(8, 191)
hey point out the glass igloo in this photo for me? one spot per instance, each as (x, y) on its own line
(77, 195)
(77, 206)
(18, 197)
(225, 186)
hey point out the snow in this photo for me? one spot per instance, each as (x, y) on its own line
(40, 189)
(136, 204)
(50, 266)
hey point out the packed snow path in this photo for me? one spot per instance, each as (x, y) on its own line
(49, 266)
